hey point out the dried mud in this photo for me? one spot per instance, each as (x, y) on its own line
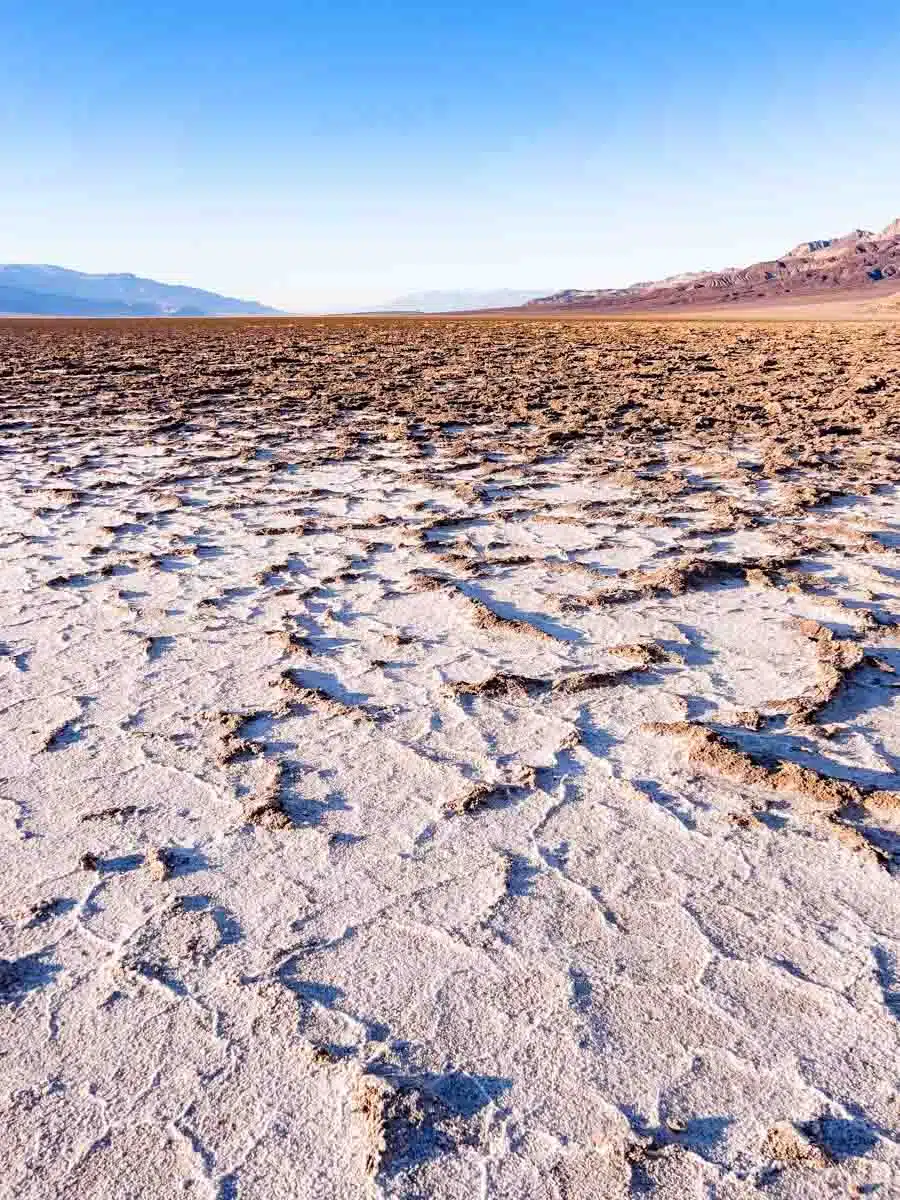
(449, 758)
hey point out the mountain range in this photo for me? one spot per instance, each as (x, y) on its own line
(859, 263)
(856, 262)
(59, 292)
(461, 301)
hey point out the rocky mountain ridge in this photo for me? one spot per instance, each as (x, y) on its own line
(857, 261)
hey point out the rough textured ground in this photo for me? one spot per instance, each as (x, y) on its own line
(449, 759)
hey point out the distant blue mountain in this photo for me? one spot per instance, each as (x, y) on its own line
(59, 292)
(460, 301)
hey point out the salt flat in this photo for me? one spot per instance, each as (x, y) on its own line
(449, 759)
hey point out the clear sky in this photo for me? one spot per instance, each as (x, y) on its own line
(335, 153)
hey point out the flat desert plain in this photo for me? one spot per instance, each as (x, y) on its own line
(450, 759)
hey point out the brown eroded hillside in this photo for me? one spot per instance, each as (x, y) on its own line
(861, 264)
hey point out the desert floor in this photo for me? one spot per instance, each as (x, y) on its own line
(449, 758)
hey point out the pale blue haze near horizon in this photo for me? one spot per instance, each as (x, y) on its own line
(334, 155)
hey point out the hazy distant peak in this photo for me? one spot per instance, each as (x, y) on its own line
(48, 290)
(461, 301)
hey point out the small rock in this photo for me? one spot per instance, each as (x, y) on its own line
(871, 384)
(160, 863)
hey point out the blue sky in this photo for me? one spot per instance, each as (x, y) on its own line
(325, 154)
